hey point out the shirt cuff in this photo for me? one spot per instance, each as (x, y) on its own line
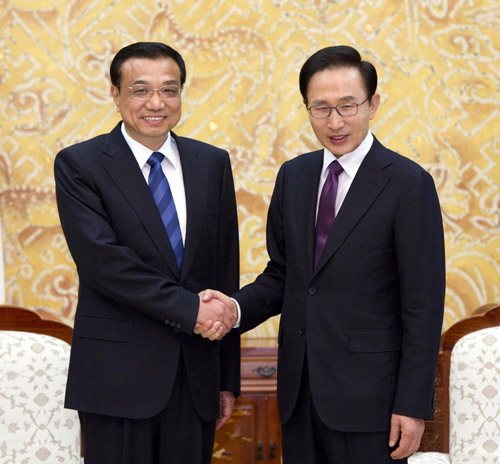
(239, 314)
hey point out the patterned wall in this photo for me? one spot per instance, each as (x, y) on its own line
(439, 66)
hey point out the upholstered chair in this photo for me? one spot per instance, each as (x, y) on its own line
(34, 426)
(474, 402)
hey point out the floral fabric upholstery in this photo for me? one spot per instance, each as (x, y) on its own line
(475, 398)
(474, 402)
(34, 426)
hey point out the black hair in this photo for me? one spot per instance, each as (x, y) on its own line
(336, 57)
(151, 50)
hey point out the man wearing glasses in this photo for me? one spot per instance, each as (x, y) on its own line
(357, 271)
(150, 220)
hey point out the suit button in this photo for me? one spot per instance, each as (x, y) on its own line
(167, 321)
(173, 324)
(178, 325)
(312, 291)
(302, 331)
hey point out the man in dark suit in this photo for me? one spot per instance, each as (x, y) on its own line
(150, 220)
(357, 271)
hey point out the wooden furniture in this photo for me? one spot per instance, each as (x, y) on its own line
(253, 434)
(436, 435)
(25, 320)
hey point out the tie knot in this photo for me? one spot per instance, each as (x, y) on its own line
(335, 168)
(155, 158)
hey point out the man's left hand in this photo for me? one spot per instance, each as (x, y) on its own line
(408, 430)
(226, 408)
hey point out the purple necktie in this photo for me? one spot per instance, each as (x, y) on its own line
(326, 209)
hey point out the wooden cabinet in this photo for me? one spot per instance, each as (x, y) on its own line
(253, 434)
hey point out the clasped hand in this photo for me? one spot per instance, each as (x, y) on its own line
(217, 315)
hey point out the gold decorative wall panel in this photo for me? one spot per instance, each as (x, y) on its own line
(439, 68)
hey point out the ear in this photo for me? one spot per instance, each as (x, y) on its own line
(115, 93)
(374, 102)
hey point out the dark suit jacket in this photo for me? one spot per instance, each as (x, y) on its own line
(370, 314)
(136, 312)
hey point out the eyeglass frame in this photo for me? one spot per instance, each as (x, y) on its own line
(152, 91)
(357, 105)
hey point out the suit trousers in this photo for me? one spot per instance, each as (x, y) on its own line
(177, 435)
(305, 438)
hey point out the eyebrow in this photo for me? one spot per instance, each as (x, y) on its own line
(341, 99)
(169, 82)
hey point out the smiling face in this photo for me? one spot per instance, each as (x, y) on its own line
(334, 86)
(148, 121)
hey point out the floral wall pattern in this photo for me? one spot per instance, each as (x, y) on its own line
(439, 71)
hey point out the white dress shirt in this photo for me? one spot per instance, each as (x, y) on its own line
(350, 162)
(172, 168)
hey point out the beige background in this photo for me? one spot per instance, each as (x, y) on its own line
(439, 68)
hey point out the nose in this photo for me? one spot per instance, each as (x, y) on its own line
(335, 121)
(155, 101)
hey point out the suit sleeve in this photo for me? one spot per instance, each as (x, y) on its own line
(263, 298)
(228, 270)
(104, 262)
(420, 257)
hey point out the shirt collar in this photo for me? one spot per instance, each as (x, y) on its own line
(142, 153)
(350, 162)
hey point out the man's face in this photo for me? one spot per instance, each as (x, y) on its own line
(332, 87)
(148, 121)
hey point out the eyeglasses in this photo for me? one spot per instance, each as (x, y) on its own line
(345, 110)
(145, 91)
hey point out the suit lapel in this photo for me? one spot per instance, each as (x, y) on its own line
(195, 185)
(369, 182)
(306, 191)
(126, 173)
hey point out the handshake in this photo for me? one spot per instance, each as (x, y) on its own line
(217, 315)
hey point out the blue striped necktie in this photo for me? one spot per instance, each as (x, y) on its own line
(160, 188)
